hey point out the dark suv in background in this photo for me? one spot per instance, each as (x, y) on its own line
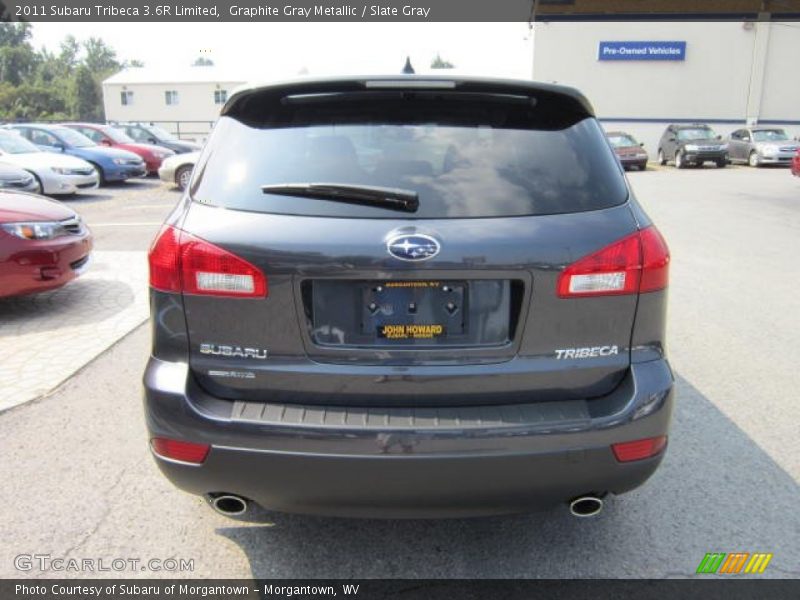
(692, 145)
(408, 296)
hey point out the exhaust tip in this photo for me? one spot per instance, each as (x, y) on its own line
(586, 506)
(229, 505)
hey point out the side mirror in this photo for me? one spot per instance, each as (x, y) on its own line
(641, 144)
(105, 142)
(719, 137)
(671, 138)
(152, 140)
(59, 146)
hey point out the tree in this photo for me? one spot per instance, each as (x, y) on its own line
(133, 64)
(439, 63)
(202, 61)
(86, 104)
(17, 57)
(100, 58)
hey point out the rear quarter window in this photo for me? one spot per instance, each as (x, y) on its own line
(485, 162)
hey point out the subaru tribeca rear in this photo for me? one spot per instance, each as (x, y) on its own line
(408, 297)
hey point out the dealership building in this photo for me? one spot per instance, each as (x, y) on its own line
(641, 76)
(185, 101)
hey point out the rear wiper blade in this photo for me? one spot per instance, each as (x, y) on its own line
(366, 195)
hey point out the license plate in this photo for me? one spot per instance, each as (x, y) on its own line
(413, 310)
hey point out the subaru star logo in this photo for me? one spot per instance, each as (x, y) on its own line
(415, 246)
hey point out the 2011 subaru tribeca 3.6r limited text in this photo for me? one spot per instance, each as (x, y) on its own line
(408, 297)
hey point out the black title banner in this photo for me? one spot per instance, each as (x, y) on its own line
(393, 10)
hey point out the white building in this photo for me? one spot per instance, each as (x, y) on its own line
(185, 101)
(640, 76)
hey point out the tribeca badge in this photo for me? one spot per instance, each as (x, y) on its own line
(735, 563)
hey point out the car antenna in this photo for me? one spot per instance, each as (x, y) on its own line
(408, 69)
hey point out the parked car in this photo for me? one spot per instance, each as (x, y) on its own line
(55, 173)
(105, 135)
(796, 164)
(153, 134)
(408, 298)
(691, 145)
(12, 178)
(177, 169)
(111, 164)
(43, 244)
(758, 146)
(629, 152)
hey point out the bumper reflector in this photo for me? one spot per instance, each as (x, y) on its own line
(639, 449)
(188, 452)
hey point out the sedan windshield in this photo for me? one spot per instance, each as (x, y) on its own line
(770, 135)
(622, 141)
(699, 133)
(16, 144)
(159, 133)
(73, 138)
(120, 137)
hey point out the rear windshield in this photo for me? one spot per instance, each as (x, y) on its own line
(485, 164)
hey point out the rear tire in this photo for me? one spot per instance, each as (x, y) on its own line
(182, 176)
(662, 160)
(753, 159)
(721, 164)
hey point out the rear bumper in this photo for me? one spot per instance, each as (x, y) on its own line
(396, 462)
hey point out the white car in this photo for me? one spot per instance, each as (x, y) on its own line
(55, 173)
(177, 169)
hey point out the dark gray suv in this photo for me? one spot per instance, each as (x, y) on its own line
(408, 296)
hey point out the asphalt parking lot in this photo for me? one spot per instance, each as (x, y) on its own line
(80, 482)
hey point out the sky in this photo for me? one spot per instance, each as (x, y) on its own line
(283, 49)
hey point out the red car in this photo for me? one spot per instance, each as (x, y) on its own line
(796, 164)
(43, 244)
(107, 135)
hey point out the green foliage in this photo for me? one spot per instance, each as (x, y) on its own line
(440, 63)
(65, 85)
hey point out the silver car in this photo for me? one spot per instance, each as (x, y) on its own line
(758, 146)
(55, 174)
(177, 169)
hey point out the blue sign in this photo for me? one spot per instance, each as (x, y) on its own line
(642, 51)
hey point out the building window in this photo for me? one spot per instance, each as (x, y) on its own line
(171, 96)
(126, 98)
(220, 96)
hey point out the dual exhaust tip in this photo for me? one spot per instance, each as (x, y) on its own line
(231, 505)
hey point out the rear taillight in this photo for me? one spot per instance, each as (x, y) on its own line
(181, 262)
(636, 263)
(188, 452)
(639, 449)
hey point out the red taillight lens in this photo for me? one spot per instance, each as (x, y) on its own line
(183, 451)
(655, 261)
(636, 263)
(165, 262)
(181, 262)
(639, 449)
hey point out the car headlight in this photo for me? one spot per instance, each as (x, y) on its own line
(769, 150)
(120, 161)
(60, 170)
(723, 147)
(41, 230)
(691, 147)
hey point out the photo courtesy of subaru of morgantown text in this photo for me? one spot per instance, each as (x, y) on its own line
(414, 291)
